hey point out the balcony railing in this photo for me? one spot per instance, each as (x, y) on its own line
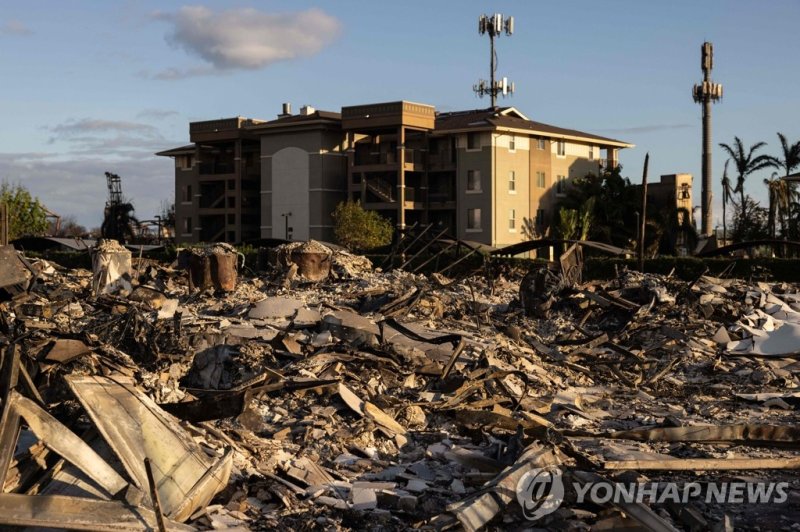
(609, 164)
(414, 156)
(443, 158)
(216, 168)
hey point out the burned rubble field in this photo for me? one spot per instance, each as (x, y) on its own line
(390, 401)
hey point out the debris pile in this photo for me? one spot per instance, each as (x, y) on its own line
(369, 399)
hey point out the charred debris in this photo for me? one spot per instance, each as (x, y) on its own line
(325, 393)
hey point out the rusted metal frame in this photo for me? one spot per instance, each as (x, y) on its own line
(396, 247)
(459, 261)
(434, 257)
(444, 339)
(426, 246)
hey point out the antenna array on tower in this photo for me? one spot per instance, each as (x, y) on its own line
(494, 25)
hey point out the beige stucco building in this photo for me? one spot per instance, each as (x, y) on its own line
(491, 175)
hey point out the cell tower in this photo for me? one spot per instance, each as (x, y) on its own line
(495, 26)
(706, 93)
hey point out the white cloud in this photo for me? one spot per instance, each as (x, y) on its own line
(157, 114)
(113, 139)
(246, 38)
(70, 180)
(93, 125)
(15, 27)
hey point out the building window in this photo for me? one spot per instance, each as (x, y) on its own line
(561, 185)
(591, 153)
(473, 219)
(540, 144)
(512, 182)
(512, 220)
(685, 194)
(540, 218)
(512, 143)
(186, 194)
(561, 148)
(473, 180)
(540, 180)
(473, 141)
(187, 226)
(184, 162)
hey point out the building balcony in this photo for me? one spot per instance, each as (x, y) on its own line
(217, 168)
(444, 160)
(606, 164)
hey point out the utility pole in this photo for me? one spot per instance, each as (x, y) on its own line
(286, 216)
(494, 25)
(705, 94)
(643, 220)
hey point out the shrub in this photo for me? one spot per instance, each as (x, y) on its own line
(358, 229)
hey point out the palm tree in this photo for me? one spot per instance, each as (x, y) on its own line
(779, 203)
(787, 162)
(727, 197)
(746, 164)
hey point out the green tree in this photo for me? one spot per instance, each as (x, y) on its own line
(606, 205)
(785, 192)
(727, 197)
(70, 228)
(779, 204)
(746, 163)
(26, 215)
(750, 223)
(358, 229)
(568, 223)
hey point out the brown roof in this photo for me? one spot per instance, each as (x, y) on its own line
(183, 150)
(494, 118)
(300, 119)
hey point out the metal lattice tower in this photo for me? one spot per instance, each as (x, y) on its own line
(114, 189)
(494, 25)
(706, 93)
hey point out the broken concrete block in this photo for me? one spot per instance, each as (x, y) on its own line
(275, 307)
(407, 503)
(351, 327)
(363, 499)
(306, 318)
(153, 298)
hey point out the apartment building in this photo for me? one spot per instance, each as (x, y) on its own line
(674, 191)
(217, 182)
(303, 169)
(490, 175)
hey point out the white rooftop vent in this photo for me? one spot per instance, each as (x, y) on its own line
(307, 110)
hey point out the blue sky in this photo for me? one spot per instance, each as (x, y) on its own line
(95, 86)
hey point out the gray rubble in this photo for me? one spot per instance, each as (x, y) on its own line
(392, 400)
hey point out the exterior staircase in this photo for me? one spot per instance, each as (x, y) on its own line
(381, 188)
